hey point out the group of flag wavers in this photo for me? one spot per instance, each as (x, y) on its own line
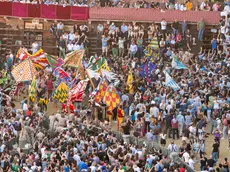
(71, 89)
(68, 89)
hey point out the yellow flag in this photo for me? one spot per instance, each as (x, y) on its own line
(129, 82)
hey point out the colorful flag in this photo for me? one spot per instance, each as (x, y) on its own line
(39, 59)
(54, 62)
(169, 82)
(72, 83)
(61, 92)
(129, 82)
(74, 58)
(110, 76)
(120, 116)
(76, 93)
(154, 43)
(22, 54)
(111, 98)
(32, 90)
(146, 70)
(177, 64)
(24, 71)
(100, 93)
(98, 63)
(62, 75)
(148, 51)
(93, 74)
(12, 89)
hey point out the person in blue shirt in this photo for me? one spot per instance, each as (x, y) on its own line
(124, 30)
(104, 42)
(214, 45)
(66, 167)
(82, 166)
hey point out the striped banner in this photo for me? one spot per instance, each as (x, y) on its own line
(169, 82)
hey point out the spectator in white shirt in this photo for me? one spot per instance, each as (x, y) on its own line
(186, 156)
(173, 147)
(154, 111)
(70, 46)
(133, 50)
(183, 7)
(191, 162)
(163, 27)
(25, 107)
(169, 107)
(202, 6)
(177, 6)
(71, 36)
(100, 29)
(76, 47)
(121, 46)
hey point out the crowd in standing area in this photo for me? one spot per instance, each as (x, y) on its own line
(159, 113)
(74, 40)
(73, 144)
(197, 110)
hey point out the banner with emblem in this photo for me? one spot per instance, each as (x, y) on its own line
(24, 71)
(100, 91)
(74, 58)
(61, 92)
(76, 93)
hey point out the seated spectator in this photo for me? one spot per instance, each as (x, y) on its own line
(65, 36)
(76, 47)
(70, 47)
(203, 5)
(189, 5)
(183, 7)
(100, 29)
(177, 6)
(71, 36)
(216, 6)
(112, 29)
(124, 30)
(207, 7)
(93, 3)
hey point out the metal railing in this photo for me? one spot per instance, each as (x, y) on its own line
(152, 145)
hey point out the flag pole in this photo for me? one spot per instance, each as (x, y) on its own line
(91, 82)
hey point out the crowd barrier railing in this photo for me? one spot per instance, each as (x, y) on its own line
(60, 12)
(43, 11)
(151, 145)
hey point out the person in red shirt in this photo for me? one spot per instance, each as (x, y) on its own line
(175, 130)
(64, 108)
(49, 84)
(71, 108)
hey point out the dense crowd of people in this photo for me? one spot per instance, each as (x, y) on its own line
(80, 140)
(74, 40)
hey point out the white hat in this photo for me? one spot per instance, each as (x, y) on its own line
(153, 102)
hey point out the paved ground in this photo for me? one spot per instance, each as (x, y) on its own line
(224, 152)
